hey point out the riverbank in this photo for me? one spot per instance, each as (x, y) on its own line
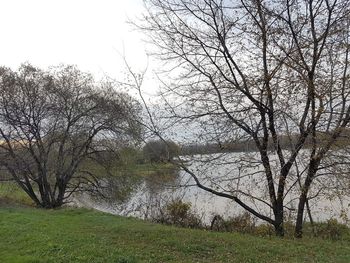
(81, 235)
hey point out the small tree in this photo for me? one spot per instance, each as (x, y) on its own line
(160, 151)
(51, 121)
(257, 71)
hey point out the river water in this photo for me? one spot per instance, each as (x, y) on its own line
(239, 174)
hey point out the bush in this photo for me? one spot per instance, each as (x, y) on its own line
(243, 223)
(178, 213)
(160, 151)
(332, 229)
(264, 230)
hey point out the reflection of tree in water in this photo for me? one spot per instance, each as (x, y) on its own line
(153, 191)
(120, 188)
(162, 179)
(128, 191)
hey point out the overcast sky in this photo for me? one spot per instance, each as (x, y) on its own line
(87, 33)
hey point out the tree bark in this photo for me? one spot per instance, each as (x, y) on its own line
(303, 197)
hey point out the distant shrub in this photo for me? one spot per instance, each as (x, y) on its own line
(129, 156)
(289, 227)
(332, 229)
(178, 210)
(243, 223)
(178, 213)
(264, 230)
(160, 151)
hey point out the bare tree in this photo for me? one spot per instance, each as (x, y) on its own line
(159, 151)
(257, 71)
(52, 121)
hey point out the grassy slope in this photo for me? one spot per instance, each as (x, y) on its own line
(79, 235)
(10, 193)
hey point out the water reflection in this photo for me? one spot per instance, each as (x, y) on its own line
(143, 196)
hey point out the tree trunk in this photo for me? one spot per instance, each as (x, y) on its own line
(279, 229)
(308, 209)
(279, 221)
(61, 192)
(299, 222)
(44, 199)
(302, 201)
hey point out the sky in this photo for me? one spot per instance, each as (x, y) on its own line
(91, 34)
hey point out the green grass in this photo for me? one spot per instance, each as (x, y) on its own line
(79, 235)
(130, 169)
(10, 194)
(147, 169)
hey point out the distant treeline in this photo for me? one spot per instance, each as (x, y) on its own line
(208, 148)
(286, 143)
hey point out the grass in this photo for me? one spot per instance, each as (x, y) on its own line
(80, 235)
(29, 235)
(149, 169)
(130, 169)
(10, 194)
